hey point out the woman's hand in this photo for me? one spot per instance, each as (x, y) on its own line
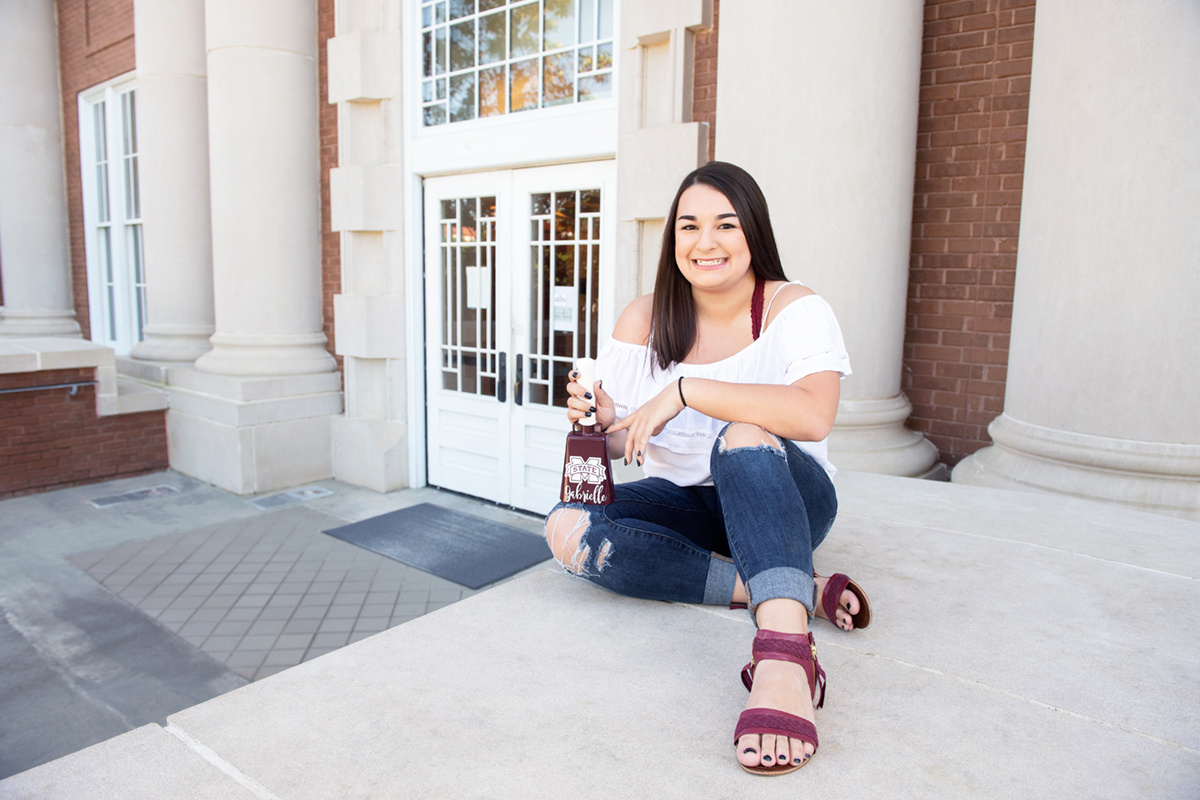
(581, 401)
(647, 421)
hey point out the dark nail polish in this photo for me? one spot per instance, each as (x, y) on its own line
(766, 758)
(626, 462)
(588, 396)
(639, 452)
(592, 410)
(749, 750)
(799, 760)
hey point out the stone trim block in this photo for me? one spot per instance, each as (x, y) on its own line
(363, 66)
(367, 198)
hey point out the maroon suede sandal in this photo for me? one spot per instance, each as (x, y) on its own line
(837, 584)
(798, 649)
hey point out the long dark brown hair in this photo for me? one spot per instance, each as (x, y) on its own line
(674, 315)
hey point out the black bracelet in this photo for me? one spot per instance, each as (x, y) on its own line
(679, 386)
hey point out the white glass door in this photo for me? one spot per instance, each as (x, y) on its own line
(518, 286)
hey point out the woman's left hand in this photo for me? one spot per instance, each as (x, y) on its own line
(647, 421)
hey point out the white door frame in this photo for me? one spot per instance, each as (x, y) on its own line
(535, 434)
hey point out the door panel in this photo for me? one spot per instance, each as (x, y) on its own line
(518, 286)
(468, 325)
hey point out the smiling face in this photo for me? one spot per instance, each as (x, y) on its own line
(710, 246)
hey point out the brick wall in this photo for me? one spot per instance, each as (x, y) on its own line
(966, 209)
(51, 439)
(704, 80)
(95, 44)
(331, 242)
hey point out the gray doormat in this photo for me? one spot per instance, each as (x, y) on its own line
(467, 550)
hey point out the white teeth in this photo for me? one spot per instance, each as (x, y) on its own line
(711, 263)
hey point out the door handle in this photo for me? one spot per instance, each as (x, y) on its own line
(502, 378)
(520, 379)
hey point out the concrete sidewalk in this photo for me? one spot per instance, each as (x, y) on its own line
(1022, 645)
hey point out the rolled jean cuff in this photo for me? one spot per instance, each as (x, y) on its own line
(782, 583)
(722, 577)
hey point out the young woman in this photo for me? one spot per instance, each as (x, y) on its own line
(726, 402)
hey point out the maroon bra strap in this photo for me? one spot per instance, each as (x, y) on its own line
(756, 306)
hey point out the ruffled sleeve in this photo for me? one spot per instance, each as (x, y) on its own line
(806, 339)
(621, 366)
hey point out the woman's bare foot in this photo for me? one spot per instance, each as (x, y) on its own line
(848, 605)
(779, 685)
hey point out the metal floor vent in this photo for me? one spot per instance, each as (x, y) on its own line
(129, 497)
(287, 498)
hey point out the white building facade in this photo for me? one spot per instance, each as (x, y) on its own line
(502, 172)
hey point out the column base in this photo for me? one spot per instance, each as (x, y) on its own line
(38, 322)
(247, 355)
(869, 436)
(372, 453)
(1151, 476)
(174, 343)
(252, 435)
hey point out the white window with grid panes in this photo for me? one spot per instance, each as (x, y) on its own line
(108, 152)
(489, 58)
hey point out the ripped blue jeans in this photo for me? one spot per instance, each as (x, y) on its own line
(767, 511)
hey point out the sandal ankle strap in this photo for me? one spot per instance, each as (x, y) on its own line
(774, 646)
(798, 648)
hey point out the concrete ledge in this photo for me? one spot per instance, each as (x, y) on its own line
(145, 764)
(46, 352)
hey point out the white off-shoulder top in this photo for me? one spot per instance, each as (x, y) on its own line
(804, 338)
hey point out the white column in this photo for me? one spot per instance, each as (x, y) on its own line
(35, 264)
(1104, 361)
(173, 134)
(257, 411)
(819, 102)
(266, 205)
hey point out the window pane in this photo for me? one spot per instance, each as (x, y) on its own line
(441, 89)
(589, 201)
(492, 38)
(585, 59)
(606, 19)
(462, 46)
(524, 31)
(427, 51)
(539, 205)
(488, 5)
(440, 14)
(426, 16)
(559, 24)
(595, 87)
(523, 85)
(440, 50)
(461, 8)
(587, 21)
(462, 97)
(491, 92)
(435, 115)
(604, 56)
(559, 77)
(427, 91)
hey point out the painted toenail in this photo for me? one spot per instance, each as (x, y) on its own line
(749, 750)
(766, 758)
(799, 760)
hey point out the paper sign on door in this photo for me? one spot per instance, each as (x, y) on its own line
(479, 287)
(565, 308)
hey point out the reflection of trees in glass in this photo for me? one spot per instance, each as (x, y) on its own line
(462, 97)
(559, 79)
(559, 29)
(524, 41)
(523, 93)
(491, 92)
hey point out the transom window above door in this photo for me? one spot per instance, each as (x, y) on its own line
(486, 58)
